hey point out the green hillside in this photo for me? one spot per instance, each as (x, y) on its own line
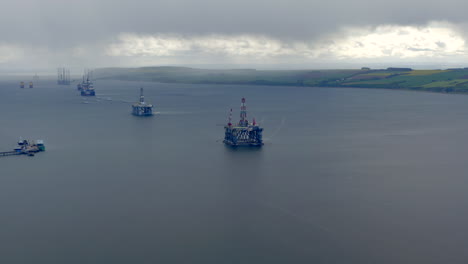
(452, 80)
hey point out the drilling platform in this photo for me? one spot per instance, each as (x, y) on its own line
(243, 134)
(63, 76)
(142, 108)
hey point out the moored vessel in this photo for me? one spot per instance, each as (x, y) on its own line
(87, 86)
(26, 147)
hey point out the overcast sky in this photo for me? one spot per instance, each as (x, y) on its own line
(44, 34)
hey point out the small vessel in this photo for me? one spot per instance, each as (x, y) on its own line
(25, 147)
(141, 108)
(87, 87)
(29, 146)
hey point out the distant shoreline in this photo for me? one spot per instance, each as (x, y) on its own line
(438, 81)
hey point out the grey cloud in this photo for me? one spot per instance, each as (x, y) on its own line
(441, 44)
(59, 27)
(63, 22)
(419, 49)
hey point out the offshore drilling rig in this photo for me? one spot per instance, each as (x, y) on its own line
(141, 108)
(63, 76)
(244, 134)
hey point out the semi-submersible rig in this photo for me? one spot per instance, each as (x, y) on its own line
(245, 133)
(141, 108)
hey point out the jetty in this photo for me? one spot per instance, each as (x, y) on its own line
(9, 153)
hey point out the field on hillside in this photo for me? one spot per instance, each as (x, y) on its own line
(452, 80)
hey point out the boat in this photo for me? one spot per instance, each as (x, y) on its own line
(25, 147)
(87, 87)
(29, 146)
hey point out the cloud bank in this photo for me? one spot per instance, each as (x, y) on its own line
(437, 42)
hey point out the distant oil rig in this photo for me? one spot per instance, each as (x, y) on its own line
(141, 108)
(86, 86)
(244, 134)
(30, 85)
(63, 76)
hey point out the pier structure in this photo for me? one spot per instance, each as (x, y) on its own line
(244, 133)
(141, 108)
(63, 76)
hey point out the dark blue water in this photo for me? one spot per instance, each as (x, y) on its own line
(345, 176)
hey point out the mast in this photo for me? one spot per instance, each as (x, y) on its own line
(142, 97)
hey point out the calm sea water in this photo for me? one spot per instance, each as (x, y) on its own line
(345, 176)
